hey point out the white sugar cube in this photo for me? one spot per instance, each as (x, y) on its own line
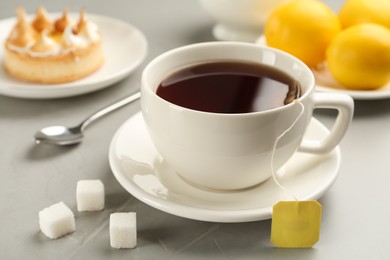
(90, 195)
(123, 230)
(56, 221)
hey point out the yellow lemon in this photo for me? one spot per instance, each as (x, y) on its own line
(359, 56)
(365, 11)
(304, 28)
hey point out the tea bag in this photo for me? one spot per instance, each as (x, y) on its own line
(295, 224)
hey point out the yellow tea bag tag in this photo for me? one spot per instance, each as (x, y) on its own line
(296, 224)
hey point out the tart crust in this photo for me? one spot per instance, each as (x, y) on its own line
(61, 68)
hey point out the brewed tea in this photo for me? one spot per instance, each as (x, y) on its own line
(229, 87)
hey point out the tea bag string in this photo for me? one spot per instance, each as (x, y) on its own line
(274, 150)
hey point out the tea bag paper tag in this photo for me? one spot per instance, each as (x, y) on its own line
(296, 224)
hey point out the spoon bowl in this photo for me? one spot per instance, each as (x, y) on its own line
(59, 135)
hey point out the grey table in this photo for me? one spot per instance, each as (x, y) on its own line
(356, 210)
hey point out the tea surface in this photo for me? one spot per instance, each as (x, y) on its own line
(229, 87)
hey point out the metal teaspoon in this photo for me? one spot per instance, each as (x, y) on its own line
(62, 135)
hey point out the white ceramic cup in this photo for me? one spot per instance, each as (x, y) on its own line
(239, 20)
(233, 151)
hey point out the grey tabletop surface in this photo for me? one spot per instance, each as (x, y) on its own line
(356, 209)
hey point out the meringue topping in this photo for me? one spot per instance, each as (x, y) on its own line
(41, 22)
(86, 28)
(44, 44)
(61, 23)
(81, 23)
(42, 37)
(22, 34)
(71, 40)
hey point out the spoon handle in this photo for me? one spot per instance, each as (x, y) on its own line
(109, 109)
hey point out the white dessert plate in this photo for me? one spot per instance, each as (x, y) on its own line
(326, 83)
(140, 169)
(124, 47)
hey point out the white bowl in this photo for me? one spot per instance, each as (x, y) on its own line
(239, 20)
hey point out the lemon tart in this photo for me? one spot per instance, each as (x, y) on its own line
(52, 51)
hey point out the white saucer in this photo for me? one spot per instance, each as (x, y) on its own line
(326, 83)
(124, 47)
(140, 169)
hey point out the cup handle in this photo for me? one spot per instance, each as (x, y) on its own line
(345, 106)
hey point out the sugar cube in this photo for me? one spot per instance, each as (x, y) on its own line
(123, 230)
(90, 195)
(56, 221)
